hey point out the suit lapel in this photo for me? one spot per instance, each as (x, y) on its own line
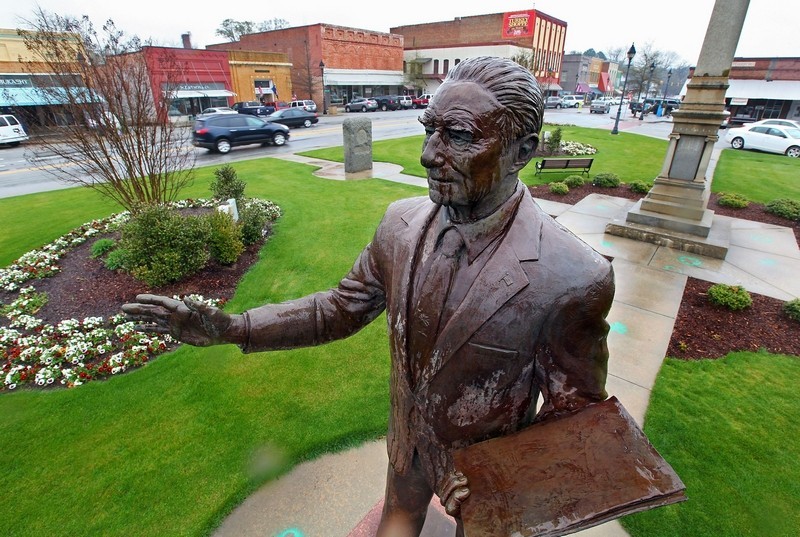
(405, 259)
(501, 278)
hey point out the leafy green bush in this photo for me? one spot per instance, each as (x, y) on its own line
(784, 207)
(792, 309)
(732, 200)
(606, 180)
(733, 297)
(101, 247)
(115, 260)
(574, 181)
(225, 243)
(640, 187)
(226, 184)
(553, 142)
(162, 246)
(253, 218)
(559, 188)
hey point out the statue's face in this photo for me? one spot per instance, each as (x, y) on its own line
(464, 151)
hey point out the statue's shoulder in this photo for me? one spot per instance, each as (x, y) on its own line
(408, 209)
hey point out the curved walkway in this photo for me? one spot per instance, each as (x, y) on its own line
(340, 495)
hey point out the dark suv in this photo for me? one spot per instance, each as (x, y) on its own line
(221, 132)
(387, 102)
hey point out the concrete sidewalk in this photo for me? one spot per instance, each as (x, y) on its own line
(339, 495)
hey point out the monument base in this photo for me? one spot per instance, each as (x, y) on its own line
(709, 236)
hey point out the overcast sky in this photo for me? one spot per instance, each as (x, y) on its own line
(770, 29)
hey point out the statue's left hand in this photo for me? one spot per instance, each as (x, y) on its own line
(454, 493)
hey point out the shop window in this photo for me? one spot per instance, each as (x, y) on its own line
(446, 67)
(458, 60)
(435, 67)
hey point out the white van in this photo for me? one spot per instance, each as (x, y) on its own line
(11, 130)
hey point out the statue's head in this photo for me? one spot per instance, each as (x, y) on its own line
(482, 127)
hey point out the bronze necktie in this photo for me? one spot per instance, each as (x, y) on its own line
(432, 297)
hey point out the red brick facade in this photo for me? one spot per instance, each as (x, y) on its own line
(338, 47)
(486, 30)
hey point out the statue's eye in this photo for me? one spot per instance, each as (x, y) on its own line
(460, 137)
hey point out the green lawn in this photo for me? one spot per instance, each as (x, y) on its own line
(760, 177)
(729, 428)
(166, 449)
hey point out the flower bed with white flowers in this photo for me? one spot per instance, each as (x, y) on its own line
(73, 352)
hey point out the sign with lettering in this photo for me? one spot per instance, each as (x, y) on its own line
(14, 81)
(518, 24)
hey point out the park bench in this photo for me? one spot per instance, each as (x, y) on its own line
(564, 163)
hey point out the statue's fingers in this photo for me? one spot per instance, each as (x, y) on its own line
(142, 310)
(454, 481)
(157, 300)
(453, 505)
(151, 328)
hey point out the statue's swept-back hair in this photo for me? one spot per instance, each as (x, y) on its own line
(512, 85)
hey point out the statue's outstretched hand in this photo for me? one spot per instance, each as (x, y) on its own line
(455, 492)
(189, 321)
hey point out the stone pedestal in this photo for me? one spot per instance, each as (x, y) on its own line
(357, 133)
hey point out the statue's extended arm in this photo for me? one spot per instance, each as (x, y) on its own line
(311, 320)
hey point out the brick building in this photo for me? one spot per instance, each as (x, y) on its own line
(761, 88)
(432, 48)
(353, 62)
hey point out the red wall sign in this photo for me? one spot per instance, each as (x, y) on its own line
(518, 24)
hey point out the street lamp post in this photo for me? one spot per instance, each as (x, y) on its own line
(631, 54)
(666, 87)
(647, 89)
(322, 75)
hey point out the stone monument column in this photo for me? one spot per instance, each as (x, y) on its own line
(674, 213)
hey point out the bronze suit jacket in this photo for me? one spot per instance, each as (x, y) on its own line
(532, 322)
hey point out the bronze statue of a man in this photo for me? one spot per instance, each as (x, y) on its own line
(489, 301)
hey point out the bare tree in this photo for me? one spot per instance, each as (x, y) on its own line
(232, 29)
(305, 78)
(116, 135)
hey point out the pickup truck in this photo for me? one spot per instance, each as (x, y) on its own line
(254, 108)
(421, 101)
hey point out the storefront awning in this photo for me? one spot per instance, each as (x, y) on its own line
(783, 90)
(362, 77)
(551, 86)
(218, 93)
(39, 96)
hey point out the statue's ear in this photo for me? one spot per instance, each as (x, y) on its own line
(526, 148)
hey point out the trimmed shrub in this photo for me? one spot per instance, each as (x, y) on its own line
(792, 309)
(559, 188)
(253, 218)
(733, 297)
(163, 247)
(115, 260)
(785, 208)
(640, 187)
(553, 142)
(226, 184)
(101, 247)
(606, 180)
(225, 243)
(734, 201)
(574, 181)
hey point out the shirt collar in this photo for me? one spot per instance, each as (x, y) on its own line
(480, 234)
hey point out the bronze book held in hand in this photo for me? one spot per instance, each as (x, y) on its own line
(564, 475)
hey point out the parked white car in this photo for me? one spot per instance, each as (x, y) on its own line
(11, 130)
(571, 101)
(770, 138)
